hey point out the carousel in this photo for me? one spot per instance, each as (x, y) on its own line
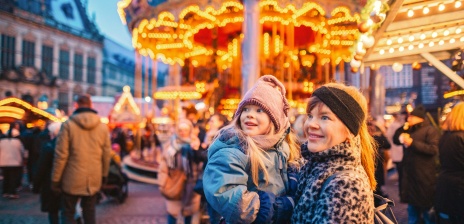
(232, 43)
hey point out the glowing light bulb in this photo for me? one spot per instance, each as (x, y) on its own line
(410, 13)
(434, 34)
(411, 47)
(426, 10)
(431, 44)
(462, 39)
(401, 48)
(421, 45)
(457, 4)
(389, 42)
(391, 50)
(400, 40)
(441, 42)
(458, 30)
(411, 38)
(422, 36)
(441, 7)
(446, 33)
(382, 51)
(452, 40)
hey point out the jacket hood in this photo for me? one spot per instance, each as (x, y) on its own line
(86, 118)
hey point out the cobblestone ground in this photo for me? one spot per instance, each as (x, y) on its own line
(143, 206)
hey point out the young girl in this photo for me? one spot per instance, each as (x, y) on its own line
(246, 177)
(337, 182)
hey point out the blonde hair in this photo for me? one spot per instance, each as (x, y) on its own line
(368, 145)
(256, 153)
(455, 119)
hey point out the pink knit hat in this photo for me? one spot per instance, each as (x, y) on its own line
(269, 94)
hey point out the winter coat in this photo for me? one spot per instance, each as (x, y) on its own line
(50, 201)
(347, 198)
(11, 152)
(396, 151)
(82, 154)
(190, 202)
(228, 183)
(382, 144)
(450, 183)
(419, 165)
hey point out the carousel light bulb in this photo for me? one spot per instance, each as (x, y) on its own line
(382, 51)
(389, 42)
(411, 47)
(401, 48)
(458, 30)
(431, 43)
(410, 13)
(411, 38)
(452, 40)
(457, 4)
(421, 45)
(441, 7)
(434, 34)
(462, 39)
(397, 67)
(425, 10)
(400, 40)
(422, 36)
(446, 33)
(441, 42)
(391, 50)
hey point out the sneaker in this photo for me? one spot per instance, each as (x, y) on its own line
(13, 196)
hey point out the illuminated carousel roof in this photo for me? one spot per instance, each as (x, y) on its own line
(175, 30)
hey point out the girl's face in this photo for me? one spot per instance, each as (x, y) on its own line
(323, 129)
(183, 130)
(254, 121)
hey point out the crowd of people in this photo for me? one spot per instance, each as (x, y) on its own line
(259, 167)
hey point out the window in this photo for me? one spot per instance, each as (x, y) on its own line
(91, 70)
(7, 51)
(64, 64)
(47, 60)
(28, 53)
(63, 101)
(67, 10)
(78, 66)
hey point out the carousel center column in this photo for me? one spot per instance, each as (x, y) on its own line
(250, 54)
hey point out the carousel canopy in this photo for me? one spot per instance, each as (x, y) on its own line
(12, 109)
(309, 32)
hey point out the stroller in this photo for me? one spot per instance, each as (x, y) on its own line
(116, 185)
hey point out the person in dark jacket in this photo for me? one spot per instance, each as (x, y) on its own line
(450, 183)
(420, 145)
(50, 201)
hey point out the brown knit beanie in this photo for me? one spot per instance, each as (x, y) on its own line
(269, 94)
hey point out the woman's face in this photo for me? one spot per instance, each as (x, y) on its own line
(254, 121)
(214, 122)
(183, 130)
(323, 129)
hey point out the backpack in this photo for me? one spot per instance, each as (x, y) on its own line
(383, 213)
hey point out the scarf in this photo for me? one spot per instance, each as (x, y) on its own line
(268, 141)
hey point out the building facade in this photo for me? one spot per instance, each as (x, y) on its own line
(49, 48)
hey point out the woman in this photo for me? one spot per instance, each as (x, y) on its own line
(450, 184)
(49, 200)
(339, 146)
(246, 177)
(178, 155)
(11, 161)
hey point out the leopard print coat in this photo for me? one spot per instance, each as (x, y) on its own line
(348, 197)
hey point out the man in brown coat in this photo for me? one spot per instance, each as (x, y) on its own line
(81, 163)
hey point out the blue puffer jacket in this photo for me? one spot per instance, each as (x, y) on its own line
(228, 183)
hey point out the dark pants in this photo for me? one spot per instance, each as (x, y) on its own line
(399, 170)
(12, 176)
(87, 204)
(173, 220)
